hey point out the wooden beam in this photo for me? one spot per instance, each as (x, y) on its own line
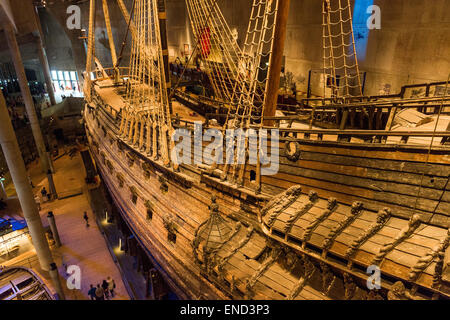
(162, 15)
(110, 34)
(276, 59)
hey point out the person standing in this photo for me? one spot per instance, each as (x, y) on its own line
(38, 201)
(91, 293)
(86, 218)
(105, 288)
(99, 293)
(111, 286)
(44, 194)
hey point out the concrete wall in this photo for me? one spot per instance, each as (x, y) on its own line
(57, 43)
(412, 46)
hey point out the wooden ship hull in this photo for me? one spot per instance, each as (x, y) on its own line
(368, 194)
(349, 184)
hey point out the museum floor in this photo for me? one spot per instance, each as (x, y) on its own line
(81, 246)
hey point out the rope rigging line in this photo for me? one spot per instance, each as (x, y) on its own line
(340, 61)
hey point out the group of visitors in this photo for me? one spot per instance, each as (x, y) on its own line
(103, 291)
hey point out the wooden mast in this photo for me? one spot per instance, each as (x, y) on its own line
(90, 51)
(110, 34)
(162, 15)
(276, 60)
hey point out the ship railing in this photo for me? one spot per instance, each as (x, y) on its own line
(373, 115)
(411, 137)
(374, 137)
(111, 73)
(422, 90)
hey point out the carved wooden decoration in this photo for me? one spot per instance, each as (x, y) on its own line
(312, 200)
(382, 218)
(134, 194)
(331, 206)
(130, 159)
(121, 179)
(355, 210)
(292, 151)
(426, 260)
(110, 166)
(398, 292)
(149, 207)
(164, 187)
(171, 228)
(405, 233)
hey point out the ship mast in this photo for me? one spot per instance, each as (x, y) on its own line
(162, 16)
(276, 60)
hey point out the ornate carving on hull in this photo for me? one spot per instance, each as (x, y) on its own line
(110, 167)
(292, 151)
(349, 287)
(289, 260)
(308, 271)
(283, 200)
(382, 219)
(213, 234)
(404, 234)
(130, 159)
(172, 229)
(374, 295)
(439, 267)
(164, 187)
(327, 278)
(426, 260)
(149, 207)
(134, 194)
(355, 211)
(313, 197)
(261, 270)
(148, 169)
(331, 206)
(397, 292)
(283, 204)
(121, 179)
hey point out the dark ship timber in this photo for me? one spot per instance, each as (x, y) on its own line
(343, 200)
(362, 178)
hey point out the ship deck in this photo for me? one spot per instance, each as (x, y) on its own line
(115, 97)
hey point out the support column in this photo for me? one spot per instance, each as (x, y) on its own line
(52, 223)
(276, 59)
(45, 67)
(57, 281)
(19, 176)
(44, 60)
(51, 186)
(28, 99)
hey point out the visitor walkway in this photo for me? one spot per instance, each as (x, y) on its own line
(81, 245)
